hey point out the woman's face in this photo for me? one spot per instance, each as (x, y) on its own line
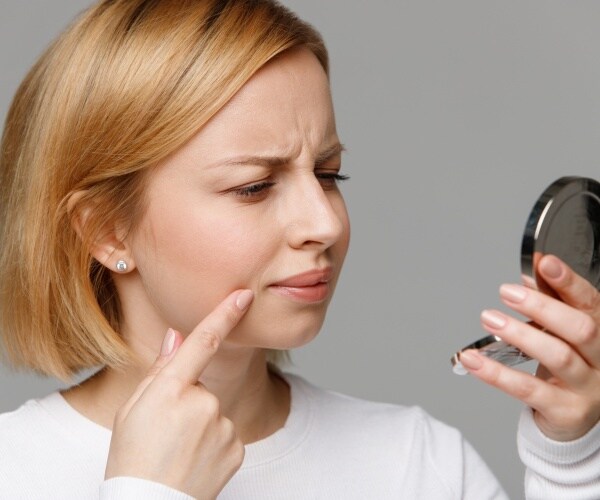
(249, 202)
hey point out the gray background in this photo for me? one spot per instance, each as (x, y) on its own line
(456, 116)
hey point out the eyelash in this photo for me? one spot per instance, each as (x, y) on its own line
(249, 191)
(256, 190)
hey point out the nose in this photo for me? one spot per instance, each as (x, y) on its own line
(318, 216)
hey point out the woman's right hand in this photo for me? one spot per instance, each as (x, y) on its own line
(171, 431)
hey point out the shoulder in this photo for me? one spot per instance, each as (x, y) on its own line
(23, 438)
(30, 429)
(401, 424)
(34, 444)
(20, 426)
(403, 447)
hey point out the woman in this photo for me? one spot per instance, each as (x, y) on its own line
(172, 166)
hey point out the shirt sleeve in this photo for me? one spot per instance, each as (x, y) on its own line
(125, 488)
(558, 470)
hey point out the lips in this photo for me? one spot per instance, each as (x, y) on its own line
(308, 278)
(310, 287)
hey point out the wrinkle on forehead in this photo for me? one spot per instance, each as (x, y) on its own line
(287, 96)
(284, 110)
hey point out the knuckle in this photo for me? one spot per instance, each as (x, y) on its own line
(493, 375)
(578, 414)
(563, 357)
(586, 330)
(209, 340)
(594, 307)
(589, 301)
(237, 452)
(537, 303)
(228, 429)
(210, 405)
(524, 389)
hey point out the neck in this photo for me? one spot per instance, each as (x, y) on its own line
(251, 395)
(255, 399)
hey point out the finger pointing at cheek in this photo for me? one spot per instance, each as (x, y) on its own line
(217, 324)
(203, 342)
(169, 403)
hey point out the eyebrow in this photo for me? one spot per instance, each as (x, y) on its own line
(278, 161)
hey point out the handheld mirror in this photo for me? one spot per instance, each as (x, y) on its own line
(565, 222)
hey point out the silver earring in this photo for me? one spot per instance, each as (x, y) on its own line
(121, 266)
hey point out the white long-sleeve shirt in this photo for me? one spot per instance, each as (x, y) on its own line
(559, 470)
(331, 447)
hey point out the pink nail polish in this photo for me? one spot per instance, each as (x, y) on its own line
(551, 268)
(470, 360)
(493, 319)
(243, 299)
(168, 343)
(513, 293)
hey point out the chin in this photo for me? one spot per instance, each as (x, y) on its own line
(279, 335)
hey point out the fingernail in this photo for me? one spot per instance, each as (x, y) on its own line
(513, 293)
(243, 299)
(470, 360)
(551, 268)
(493, 319)
(168, 343)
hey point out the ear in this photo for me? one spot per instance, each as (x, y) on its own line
(109, 247)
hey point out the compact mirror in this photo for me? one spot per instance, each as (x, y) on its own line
(565, 221)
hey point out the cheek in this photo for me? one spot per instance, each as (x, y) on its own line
(189, 264)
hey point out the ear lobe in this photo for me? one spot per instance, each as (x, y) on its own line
(109, 247)
(112, 252)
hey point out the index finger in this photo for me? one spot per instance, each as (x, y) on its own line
(570, 287)
(203, 342)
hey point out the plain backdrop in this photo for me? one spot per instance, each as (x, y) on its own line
(456, 116)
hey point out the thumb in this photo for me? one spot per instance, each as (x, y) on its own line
(171, 342)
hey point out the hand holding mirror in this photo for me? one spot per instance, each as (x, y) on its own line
(565, 222)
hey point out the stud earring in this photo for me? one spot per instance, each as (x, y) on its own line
(121, 266)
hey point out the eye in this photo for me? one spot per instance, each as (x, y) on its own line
(330, 180)
(254, 191)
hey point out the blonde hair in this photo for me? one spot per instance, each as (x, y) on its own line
(128, 83)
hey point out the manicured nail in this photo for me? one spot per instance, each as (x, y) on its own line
(168, 343)
(551, 268)
(470, 360)
(493, 319)
(243, 299)
(513, 293)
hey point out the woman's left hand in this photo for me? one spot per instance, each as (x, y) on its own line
(565, 391)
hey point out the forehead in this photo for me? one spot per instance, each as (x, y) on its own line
(285, 105)
(293, 77)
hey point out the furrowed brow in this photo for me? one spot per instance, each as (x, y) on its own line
(278, 161)
(329, 153)
(263, 161)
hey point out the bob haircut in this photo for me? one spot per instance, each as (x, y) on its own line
(127, 84)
